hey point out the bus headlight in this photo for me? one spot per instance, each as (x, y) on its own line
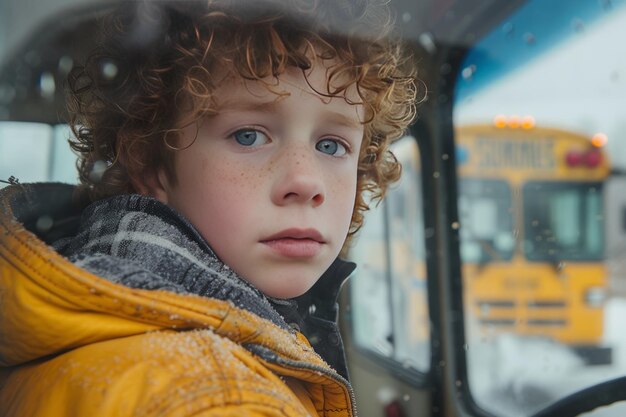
(595, 296)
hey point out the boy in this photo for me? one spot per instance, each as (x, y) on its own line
(224, 158)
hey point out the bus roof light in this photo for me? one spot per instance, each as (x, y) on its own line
(528, 122)
(499, 121)
(514, 122)
(599, 139)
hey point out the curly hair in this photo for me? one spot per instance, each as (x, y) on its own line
(157, 61)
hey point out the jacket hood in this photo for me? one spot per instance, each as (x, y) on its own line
(48, 305)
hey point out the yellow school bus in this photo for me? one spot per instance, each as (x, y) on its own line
(530, 203)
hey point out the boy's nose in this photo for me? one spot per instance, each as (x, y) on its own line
(300, 180)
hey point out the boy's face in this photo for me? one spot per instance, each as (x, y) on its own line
(270, 182)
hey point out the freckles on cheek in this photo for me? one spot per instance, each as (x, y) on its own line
(235, 179)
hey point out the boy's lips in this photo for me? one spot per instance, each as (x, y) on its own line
(295, 233)
(295, 243)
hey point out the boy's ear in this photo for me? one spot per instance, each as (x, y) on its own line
(152, 183)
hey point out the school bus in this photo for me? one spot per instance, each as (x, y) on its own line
(532, 233)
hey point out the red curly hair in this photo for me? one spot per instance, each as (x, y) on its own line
(156, 61)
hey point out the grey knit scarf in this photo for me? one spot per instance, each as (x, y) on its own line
(141, 243)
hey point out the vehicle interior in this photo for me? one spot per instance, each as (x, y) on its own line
(491, 280)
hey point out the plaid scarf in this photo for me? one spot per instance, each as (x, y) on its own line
(141, 243)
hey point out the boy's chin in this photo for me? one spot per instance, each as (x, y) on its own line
(286, 280)
(286, 292)
(287, 288)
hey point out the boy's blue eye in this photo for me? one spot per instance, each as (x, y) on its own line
(331, 147)
(250, 137)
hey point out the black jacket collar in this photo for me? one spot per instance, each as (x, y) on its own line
(315, 314)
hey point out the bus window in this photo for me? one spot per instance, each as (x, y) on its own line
(388, 295)
(408, 269)
(32, 152)
(485, 212)
(369, 289)
(25, 151)
(540, 160)
(563, 222)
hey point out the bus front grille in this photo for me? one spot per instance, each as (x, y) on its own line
(546, 304)
(486, 304)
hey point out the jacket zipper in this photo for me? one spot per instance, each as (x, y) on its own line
(270, 356)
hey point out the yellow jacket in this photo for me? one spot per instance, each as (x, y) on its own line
(74, 344)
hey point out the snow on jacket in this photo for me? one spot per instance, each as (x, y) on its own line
(73, 343)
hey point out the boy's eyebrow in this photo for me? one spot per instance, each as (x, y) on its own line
(343, 120)
(271, 106)
(260, 106)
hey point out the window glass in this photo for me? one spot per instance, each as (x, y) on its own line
(541, 159)
(408, 269)
(63, 159)
(391, 271)
(563, 221)
(31, 152)
(25, 151)
(369, 287)
(485, 212)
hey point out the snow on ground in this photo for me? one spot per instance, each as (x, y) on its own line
(516, 377)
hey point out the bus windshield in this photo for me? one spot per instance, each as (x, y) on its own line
(563, 221)
(487, 221)
(539, 104)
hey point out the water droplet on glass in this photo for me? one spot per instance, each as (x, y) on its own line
(97, 171)
(455, 225)
(465, 347)
(386, 395)
(44, 223)
(578, 25)
(458, 383)
(406, 397)
(406, 17)
(66, 63)
(606, 4)
(435, 174)
(108, 69)
(312, 309)
(529, 38)
(445, 156)
(427, 41)
(468, 72)
(47, 86)
(508, 28)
